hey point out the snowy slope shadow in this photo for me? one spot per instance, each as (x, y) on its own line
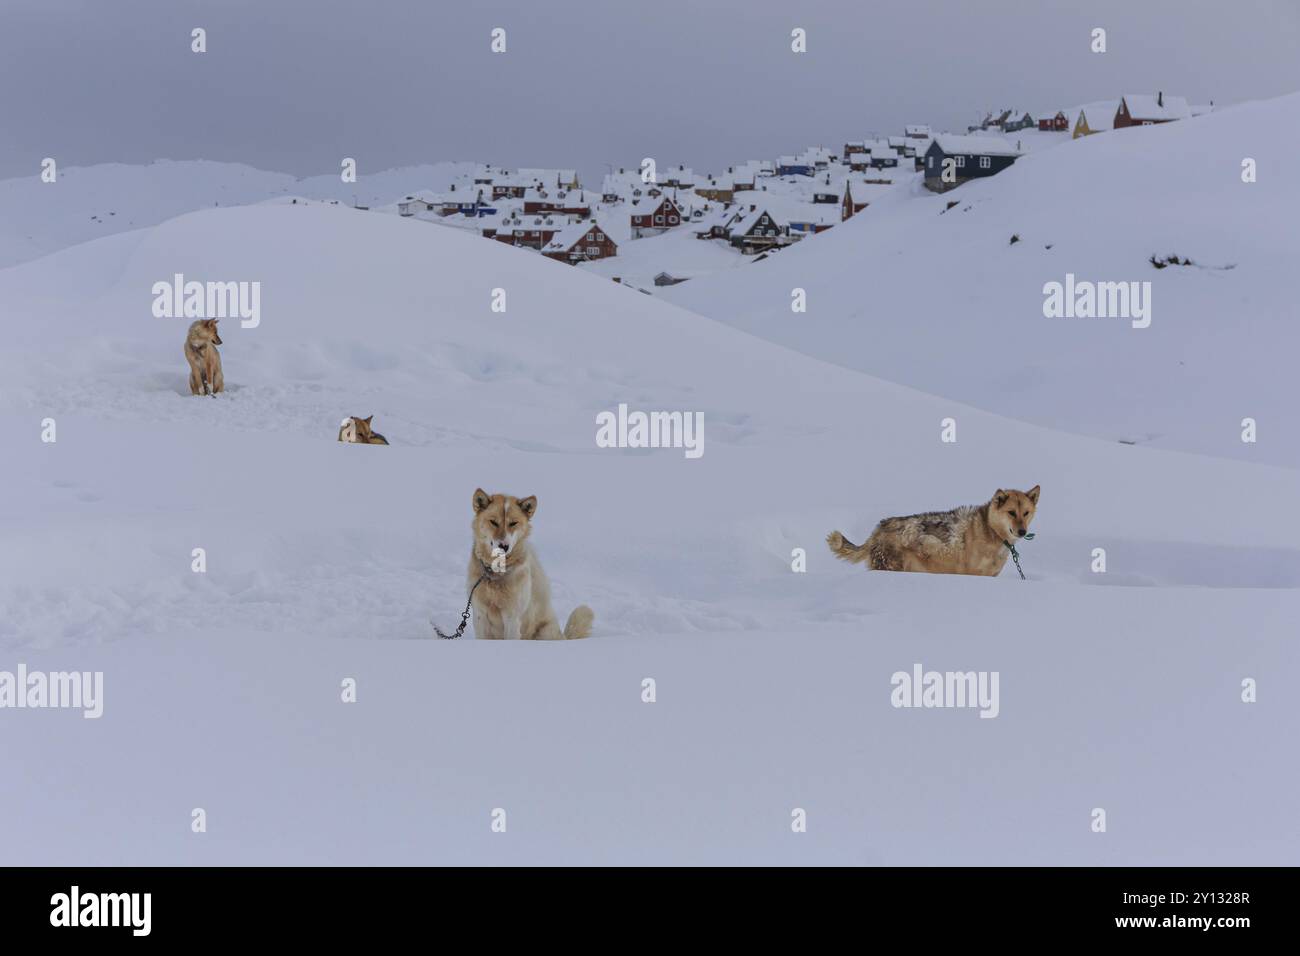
(1175, 564)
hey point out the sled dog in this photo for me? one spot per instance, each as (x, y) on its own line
(973, 539)
(201, 343)
(514, 600)
(358, 431)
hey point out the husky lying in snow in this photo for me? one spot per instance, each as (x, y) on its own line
(514, 600)
(201, 343)
(357, 431)
(973, 539)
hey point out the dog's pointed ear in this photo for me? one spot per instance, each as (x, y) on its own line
(368, 420)
(481, 500)
(1032, 495)
(528, 505)
(999, 498)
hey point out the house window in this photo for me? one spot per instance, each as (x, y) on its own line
(961, 162)
(659, 220)
(985, 162)
(672, 220)
(600, 237)
(593, 250)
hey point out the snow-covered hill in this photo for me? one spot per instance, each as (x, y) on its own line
(931, 291)
(85, 203)
(773, 685)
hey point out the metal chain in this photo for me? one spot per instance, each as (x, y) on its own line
(1015, 556)
(464, 618)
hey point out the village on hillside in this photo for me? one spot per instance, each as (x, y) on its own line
(649, 226)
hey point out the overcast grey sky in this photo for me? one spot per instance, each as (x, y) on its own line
(295, 85)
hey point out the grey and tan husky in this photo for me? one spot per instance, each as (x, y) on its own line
(973, 539)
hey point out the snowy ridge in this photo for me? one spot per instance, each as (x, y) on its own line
(942, 299)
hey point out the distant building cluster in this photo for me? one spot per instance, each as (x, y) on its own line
(758, 206)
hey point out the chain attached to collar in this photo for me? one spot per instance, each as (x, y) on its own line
(464, 618)
(1015, 555)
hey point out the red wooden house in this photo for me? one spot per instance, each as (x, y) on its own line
(580, 242)
(653, 215)
(1059, 123)
(1145, 110)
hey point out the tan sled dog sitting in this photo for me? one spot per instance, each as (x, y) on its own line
(513, 602)
(974, 539)
(205, 361)
(358, 431)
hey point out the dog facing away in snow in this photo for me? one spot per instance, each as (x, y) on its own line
(973, 539)
(514, 600)
(201, 343)
(358, 431)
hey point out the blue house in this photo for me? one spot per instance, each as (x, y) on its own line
(794, 166)
(951, 160)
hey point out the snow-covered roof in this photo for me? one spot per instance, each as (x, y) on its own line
(917, 130)
(1142, 106)
(784, 210)
(1100, 114)
(566, 238)
(746, 222)
(719, 215)
(548, 177)
(816, 154)
(646, 205)
(975, 145)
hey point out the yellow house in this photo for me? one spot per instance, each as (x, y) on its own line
(1081, 127)
(1103, 118)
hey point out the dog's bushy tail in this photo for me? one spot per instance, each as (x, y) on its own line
(846, 550)
(579, 623)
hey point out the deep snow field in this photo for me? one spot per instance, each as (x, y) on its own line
(1119, 690)
(941, 299)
